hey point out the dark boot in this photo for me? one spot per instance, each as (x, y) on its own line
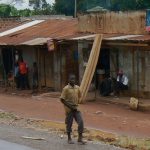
(80, 139)
(70, 139)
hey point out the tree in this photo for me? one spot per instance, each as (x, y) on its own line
(123, 5)
(64, 7)
(24, 13)
(5, 10)
(67, 7)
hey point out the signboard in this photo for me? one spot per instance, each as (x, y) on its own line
(148, 20)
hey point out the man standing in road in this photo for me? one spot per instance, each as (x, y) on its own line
(70, 97)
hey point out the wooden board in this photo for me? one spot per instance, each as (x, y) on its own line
(113, 22)
(91, 66)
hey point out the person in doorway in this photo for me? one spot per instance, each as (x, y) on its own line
(70, 97)
(23, 70)
(122, 81)
(106, 86)
(35, 76)
(17, 75)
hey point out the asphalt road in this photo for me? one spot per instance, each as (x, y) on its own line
(52, 141)
(4, 145)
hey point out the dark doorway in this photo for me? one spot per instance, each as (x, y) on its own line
(7, 60)
(103, 66)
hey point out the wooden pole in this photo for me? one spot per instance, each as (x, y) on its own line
(13, 66)
(75, 8)
(39, 69)
(137, 73)
(45, 71)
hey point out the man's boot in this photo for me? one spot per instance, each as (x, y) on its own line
(70, 139)
(80, 139)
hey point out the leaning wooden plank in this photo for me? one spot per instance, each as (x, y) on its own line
(93, 67)
(89, 65)
(89, 72)
(89, 68)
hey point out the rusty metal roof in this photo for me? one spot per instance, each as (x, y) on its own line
(60, 29)
(114, 37)
(52, 28)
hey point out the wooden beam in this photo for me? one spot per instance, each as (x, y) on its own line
(91, 66)
(125, 44)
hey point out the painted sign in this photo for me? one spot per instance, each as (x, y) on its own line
(148, 20)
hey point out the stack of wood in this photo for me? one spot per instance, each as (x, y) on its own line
(91, 66)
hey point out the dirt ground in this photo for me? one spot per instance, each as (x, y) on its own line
(104, 116)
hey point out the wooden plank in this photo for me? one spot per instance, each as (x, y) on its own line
(113, 22)
(89, 65)
(90, 69)
(97, 52)
(85, 76)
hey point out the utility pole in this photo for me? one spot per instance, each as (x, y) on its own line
(75, 8)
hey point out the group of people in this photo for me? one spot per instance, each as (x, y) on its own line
(21, 72)
(111, 85)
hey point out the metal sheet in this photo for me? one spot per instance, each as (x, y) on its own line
(21, 27)
(36, 41)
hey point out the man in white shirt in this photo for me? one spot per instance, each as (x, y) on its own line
(122, 81)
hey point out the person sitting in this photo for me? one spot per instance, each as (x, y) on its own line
(122, 81)
(106, 86)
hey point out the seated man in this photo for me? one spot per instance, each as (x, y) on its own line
(106, 86)
(122, 81)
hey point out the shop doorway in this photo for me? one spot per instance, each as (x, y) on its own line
(103, 66)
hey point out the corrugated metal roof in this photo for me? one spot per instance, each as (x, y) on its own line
(21, 27)
(36, 41)
(37, 34)
(53, 28)
(115, 37)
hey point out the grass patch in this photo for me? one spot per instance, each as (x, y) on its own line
(5, 115)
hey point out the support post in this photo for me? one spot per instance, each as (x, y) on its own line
(75, 8)
(138, 73)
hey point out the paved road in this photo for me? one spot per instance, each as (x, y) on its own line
(4, 145)
(52, 141)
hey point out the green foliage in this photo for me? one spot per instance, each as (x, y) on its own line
(64, 7)
(44, 9)
(67, 7)
(129, 4)
(5, 10)
(41, 7)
